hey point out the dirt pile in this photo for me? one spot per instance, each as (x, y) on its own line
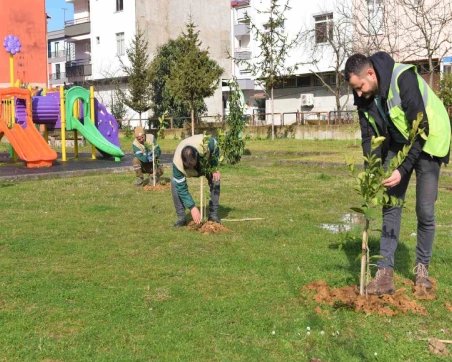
(437, 346)
(157, 187)
(207, 228)
(348, 297)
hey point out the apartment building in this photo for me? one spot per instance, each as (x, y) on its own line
(101, 31)
(57, 57)
(351, 25)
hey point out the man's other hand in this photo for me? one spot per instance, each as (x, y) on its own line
(196, 215)
(394, 180)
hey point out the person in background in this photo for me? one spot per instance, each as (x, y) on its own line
(142, 161)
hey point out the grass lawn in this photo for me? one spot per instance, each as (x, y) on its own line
(91, 268)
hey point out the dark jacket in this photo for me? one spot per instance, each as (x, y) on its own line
(412, 104)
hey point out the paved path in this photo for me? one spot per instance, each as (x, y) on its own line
(73, 167)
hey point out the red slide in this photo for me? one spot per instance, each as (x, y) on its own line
(27, 142)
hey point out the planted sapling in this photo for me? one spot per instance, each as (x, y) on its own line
(370, 187)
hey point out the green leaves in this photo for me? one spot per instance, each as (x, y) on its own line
(233, 143)
(194, 74)
(138, 96)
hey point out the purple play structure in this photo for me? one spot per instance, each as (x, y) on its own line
(46, 110)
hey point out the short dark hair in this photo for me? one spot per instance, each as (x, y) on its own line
(189, 156)
(356, 64)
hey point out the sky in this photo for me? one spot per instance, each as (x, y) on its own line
(54, 8)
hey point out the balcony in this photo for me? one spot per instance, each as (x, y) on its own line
(57, 78)
(78, 70)
(242, 53)
(57, 56)
(242, 15)
(241, 29)
(77, 27)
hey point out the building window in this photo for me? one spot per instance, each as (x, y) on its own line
(375, 16)
(329, 79)
(98, 39)
(120, 49)
(57, 71)
(119, 5)
(304, 81)
(323, 28)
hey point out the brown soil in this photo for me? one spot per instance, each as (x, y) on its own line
(437, 347)
(207, 228)
(348, 297)
(449, 306)
(157, 187)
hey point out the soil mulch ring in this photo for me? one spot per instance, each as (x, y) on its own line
(207, 228)
(157, 187)
(348, 297)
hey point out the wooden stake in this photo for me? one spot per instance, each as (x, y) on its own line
(153, 164)
(201, 196)
(363, 259)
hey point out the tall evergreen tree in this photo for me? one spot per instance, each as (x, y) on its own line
(161, 68)
(233, 141)
(138, 95)
(194, 75)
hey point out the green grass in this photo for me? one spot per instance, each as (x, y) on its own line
(91, 269)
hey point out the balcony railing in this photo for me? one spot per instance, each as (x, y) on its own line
(58, 54)
(77, 27)
(242, 53)
(57, 76)
(77, 21)
(78, 68)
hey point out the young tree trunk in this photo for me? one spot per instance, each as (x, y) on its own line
(364, 247)
(272, 106)
(153, 165)
(139, 117)
(201, 193)
(192, 121)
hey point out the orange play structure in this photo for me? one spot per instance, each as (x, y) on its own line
(26, 141)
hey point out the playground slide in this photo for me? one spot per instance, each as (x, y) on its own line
(87, 128)
(29, 145)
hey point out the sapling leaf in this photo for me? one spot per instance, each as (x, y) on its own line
(358, 210)
(376, 257)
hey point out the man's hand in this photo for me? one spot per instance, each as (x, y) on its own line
(196, 215)
(216, 176)
(394, 180)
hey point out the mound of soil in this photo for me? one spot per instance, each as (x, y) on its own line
(436, 346)
(348, 297)
(157, 187)
(207, 228)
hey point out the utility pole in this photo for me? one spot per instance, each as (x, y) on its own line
(64, 15)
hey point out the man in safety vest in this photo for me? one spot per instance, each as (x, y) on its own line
(186, 163)
(389, 97)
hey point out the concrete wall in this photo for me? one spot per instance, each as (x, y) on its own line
(165, 19)
(292, 131)
(27, 20)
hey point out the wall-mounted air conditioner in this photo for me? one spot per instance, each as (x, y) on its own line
(307, 100)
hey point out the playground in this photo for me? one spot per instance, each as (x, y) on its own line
(92, 269)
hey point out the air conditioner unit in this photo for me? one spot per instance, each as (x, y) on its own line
(307, 100)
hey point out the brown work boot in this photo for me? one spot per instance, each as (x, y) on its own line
(382, 283)
(422, 279)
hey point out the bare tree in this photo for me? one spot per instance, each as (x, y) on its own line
(331, 43)
(427, 29)
(375, 25)
(269, 66)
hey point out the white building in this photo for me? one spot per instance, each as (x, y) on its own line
(303, 91)
(101, 31)
(57, 57)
